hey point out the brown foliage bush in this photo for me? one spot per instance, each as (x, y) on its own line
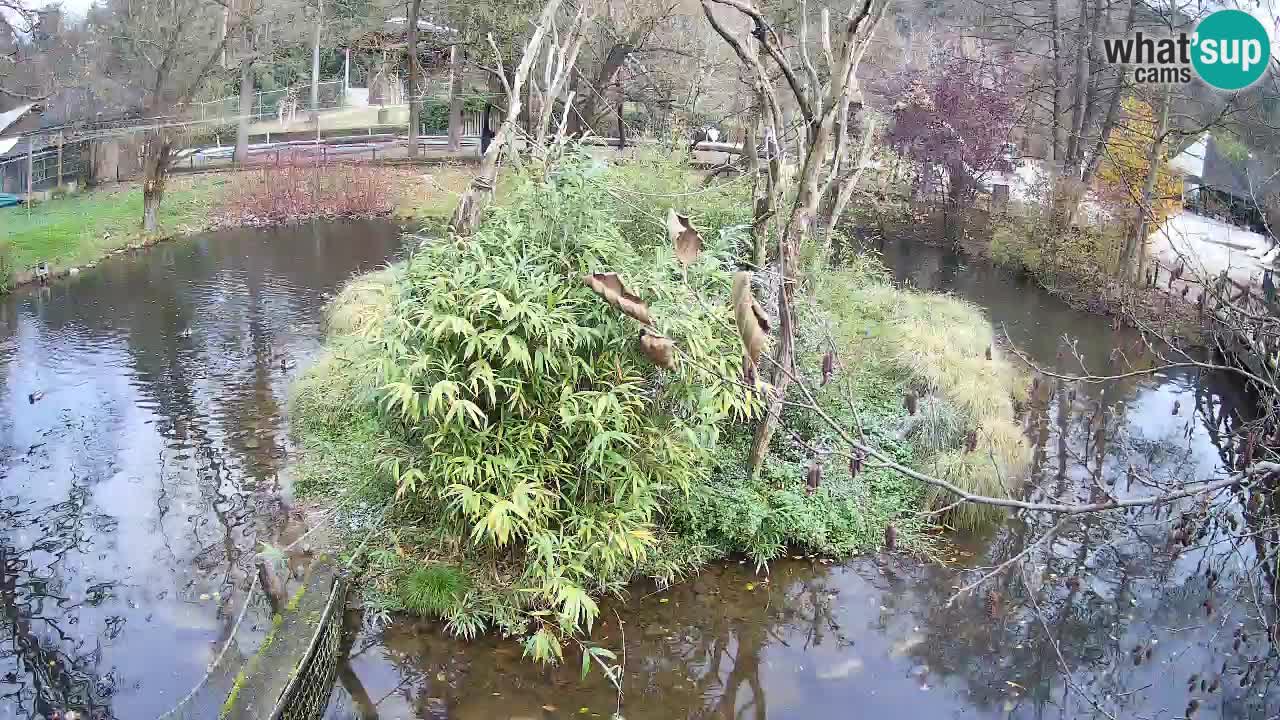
(301, 190)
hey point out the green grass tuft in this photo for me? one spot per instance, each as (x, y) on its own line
(936, 426)
(433, 591)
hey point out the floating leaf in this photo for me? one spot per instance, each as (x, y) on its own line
(687, 241)
(609, 286)
(753, 324)
(660, 350)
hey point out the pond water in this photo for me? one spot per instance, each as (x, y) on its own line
(144, 452)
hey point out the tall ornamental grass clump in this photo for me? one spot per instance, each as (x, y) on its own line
(944, 349)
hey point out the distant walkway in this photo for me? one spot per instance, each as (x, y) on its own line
(356, 148)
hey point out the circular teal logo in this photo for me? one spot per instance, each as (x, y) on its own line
(1231, 49)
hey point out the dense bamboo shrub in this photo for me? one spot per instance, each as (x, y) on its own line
(517, 409)
(532, 458)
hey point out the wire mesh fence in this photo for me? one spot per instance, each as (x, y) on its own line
(274, 103)
(307, 694)
(43, 169)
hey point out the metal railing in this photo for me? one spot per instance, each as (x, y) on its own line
(270, 103)
(307, 694)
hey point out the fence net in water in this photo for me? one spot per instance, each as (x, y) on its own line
(307, 694)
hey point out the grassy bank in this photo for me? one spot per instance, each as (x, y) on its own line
(506, 452)
(78, 229)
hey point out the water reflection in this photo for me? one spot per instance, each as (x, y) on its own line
(1145, 628)
(143, 454)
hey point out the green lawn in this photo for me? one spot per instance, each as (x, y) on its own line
(81, 228)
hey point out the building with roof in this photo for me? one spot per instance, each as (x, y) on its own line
(37, 142)
(1225, 181)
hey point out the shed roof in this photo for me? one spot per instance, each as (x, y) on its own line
(10, 117)
(1245, 178)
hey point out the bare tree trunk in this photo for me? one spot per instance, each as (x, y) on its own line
(415, 103)
(790, 240)
(753, 170)
(1135, 251)
(818, 107)
(466, 216)
(849, 183)
(1056, 150)
(588, 111)
(783, 357)
(455, 98)
(155, 172)
(241, 154)
(766, 204)
(222, 30)
(315, 64)
(1078, 82)
(565, 56)
(622, 130)
(1094, 159)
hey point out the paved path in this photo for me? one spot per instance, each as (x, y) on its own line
(1208, 247)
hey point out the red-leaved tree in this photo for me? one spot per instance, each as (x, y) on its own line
(954, 119)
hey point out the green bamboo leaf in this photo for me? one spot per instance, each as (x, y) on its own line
(601, 652)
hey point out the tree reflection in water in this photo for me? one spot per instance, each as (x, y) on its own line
(46, 664)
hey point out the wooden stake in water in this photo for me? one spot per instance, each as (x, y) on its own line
(59, 161)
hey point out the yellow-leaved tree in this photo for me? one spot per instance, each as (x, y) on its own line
(1125, 167)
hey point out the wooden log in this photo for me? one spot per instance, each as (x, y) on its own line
(724, 147)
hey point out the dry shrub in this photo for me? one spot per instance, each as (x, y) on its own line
(297, 190)
(365, 302)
